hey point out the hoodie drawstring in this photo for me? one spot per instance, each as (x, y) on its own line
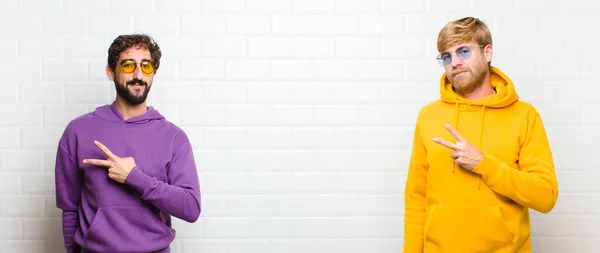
(480, 141)
(456, 112)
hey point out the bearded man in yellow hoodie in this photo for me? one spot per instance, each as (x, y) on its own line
(480, 157)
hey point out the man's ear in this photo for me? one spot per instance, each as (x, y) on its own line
(110, 73)
(488, 51)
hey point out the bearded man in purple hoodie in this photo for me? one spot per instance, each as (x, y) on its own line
(123, 170)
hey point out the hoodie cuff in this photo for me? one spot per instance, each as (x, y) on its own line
(138, 180)
(487, 167)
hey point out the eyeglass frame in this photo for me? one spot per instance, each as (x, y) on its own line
(136, 64)
(440, 60)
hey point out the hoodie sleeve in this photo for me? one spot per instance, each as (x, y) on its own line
(68, 191)
(414, 197)
(180, 196)
(534, 183)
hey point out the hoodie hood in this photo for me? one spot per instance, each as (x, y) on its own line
(110, 113)
(505, 91)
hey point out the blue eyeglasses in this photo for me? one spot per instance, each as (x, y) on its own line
(463, 53)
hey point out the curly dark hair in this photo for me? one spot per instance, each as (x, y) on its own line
(124, 42)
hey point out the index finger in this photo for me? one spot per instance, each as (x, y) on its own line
(454, 133)
(104, 149)
(445, 143)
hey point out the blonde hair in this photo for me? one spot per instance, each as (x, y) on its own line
(463, 30)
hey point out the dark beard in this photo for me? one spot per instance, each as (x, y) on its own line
(124, 92)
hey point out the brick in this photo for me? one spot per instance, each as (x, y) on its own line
(268, 6)
(9, 93)
(38, 183)
(222, 46)
(211, 23)
(22, 206)
(247, 115)
(10, 229)
(381, 69)
(336, 115)
(9, 6)
(13, 23)
(293, 115)
(358, 5)
(336, 24)
(392, 6)
(32, 46)
(160, 24)
(248, 24)
(61, 115)
(334, 69)
(291, 69)
(45, 92)
(225, 228)
(201, 69)
(33, 6)
(65, 24)
(269, 46)
(313, 6)
(176, 92)
(136, 6)
(269, 138)
(224, 137)
(21, 161)
(293, 24)
(90, 46)
(21, 69)
(403, 46)
(246, 69)
(313, 47)
(39, 138)
(64, 69)
(79, 6)
(216, 6)
(178, 6)
(376, 24)
(203, 115)
(269, 92)
(42, 228)
(246, 160)
(10, 183)
(247, 205)
(21, 115)
(33, 246)
(111, 24)
(225, 92)
(271, 228)
(358, 47)
(291, 161)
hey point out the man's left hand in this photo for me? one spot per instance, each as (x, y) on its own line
(464, 154)
(118, 167)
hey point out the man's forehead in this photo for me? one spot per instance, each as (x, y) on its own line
(459, 44)
(135, 52)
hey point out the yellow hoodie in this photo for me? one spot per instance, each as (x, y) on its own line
(449, 209)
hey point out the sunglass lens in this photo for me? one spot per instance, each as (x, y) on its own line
(147, 67)
(128, 66)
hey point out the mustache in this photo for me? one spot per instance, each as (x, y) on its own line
(137, 81)
(458, 70)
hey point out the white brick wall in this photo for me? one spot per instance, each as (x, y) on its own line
(300, 111)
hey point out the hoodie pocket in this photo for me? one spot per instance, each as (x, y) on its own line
(467, 229)
(127, 229)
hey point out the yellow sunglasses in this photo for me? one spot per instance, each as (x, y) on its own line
(128, 66)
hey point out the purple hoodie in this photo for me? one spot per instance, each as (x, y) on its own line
(102, 215)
